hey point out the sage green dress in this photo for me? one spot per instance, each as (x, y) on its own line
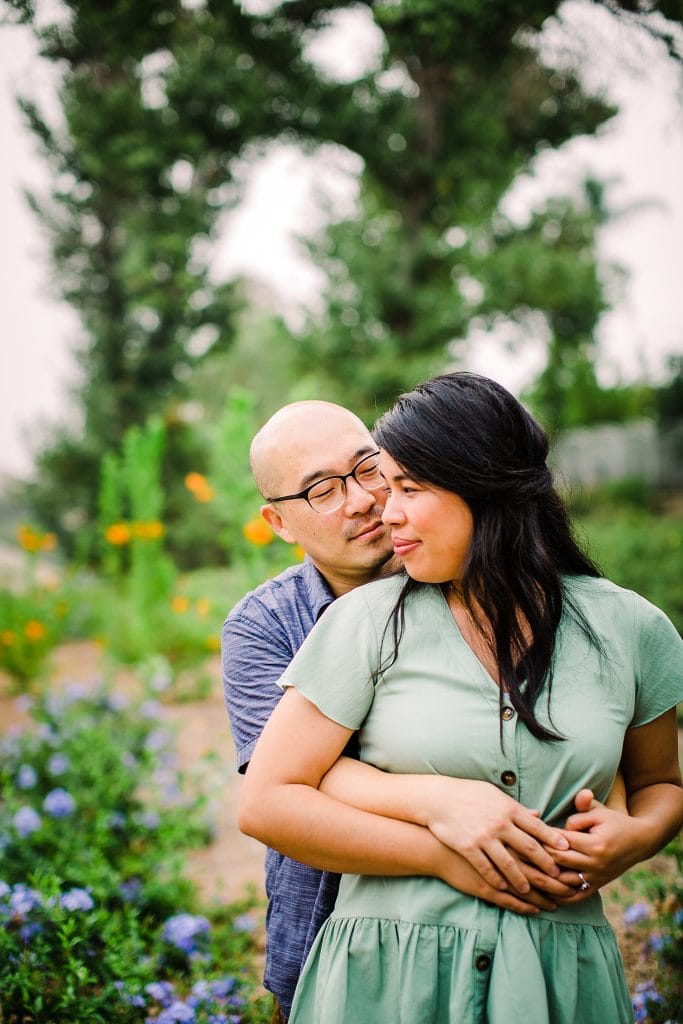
(413, 950)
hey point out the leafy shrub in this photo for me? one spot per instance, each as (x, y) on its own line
(94, 911)
(659, 999)
(641, 551)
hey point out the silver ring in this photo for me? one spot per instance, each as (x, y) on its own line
(584, 884)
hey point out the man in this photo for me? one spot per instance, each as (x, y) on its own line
(300, 445)
(316, 466)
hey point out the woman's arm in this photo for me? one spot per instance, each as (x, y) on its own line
(281, 805)
(606, 842)
(483, 824)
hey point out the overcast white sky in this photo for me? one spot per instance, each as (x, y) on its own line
(642, 149)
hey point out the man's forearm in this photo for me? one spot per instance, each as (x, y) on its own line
(307, 825)
(490, 829)
(369, 789)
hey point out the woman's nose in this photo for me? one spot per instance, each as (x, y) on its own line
(392, 511)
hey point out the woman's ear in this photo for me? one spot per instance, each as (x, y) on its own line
(277, 523)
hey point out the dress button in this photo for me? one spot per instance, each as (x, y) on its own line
(482, 963)
(508, 778)
(507, 713)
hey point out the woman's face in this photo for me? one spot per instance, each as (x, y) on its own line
(431, 528)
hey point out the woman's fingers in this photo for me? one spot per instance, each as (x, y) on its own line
(581, 822)
(572, 860)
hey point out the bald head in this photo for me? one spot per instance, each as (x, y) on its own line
(293, 430)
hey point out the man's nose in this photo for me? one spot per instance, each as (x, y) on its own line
(357, 498)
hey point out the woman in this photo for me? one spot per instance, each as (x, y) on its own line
(503, 657)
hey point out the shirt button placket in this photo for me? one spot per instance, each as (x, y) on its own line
(508, 777)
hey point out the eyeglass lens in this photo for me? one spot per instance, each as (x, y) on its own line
(330, 494)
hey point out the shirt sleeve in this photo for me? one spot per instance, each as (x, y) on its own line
(252, 662)
(659, 664)
(335, 666)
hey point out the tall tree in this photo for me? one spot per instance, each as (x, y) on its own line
(161, 101)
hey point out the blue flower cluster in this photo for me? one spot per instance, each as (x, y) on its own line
(636, 912)
(58, 803)
(216, 1001)
(76, 899)
(186, 932)
(645, 992)
(27, 910)
(124, 809)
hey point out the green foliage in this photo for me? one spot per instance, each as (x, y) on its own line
(237, 498)
(151, 573)
(32, 625)
(669, 397)
(429, 252)
(34, 615)
(639, 550)
(659, 1000)
(144, 576)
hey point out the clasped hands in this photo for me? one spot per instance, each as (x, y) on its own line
(522, 858)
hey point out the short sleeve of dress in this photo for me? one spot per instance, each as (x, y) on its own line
(659, 663)
(334, 666)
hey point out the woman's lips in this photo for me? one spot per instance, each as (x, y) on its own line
(403, 547)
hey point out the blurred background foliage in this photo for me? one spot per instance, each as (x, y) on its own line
(140, 528)
(163, 103)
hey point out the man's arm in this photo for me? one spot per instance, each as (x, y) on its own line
(253, 660)
(281, 806)
(486, 826)
(476, 819)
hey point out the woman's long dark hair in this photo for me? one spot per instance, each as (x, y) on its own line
(468, 435)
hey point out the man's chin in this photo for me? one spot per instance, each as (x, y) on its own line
(386, 563)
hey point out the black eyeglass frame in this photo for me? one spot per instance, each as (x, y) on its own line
(339, 476)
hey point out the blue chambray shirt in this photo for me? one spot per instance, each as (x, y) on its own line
(261, 635)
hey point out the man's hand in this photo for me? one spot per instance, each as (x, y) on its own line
(543, 892)
(493, 832)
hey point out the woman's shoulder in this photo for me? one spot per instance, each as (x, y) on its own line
(597, 591)
(602, 600)
(379, 596)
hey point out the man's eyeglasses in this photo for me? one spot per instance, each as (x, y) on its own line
(329, 494)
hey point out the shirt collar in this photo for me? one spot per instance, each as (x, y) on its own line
(319, 594)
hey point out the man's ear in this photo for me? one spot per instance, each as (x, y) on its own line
(276, 523)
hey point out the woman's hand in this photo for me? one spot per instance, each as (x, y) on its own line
(604, 843)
